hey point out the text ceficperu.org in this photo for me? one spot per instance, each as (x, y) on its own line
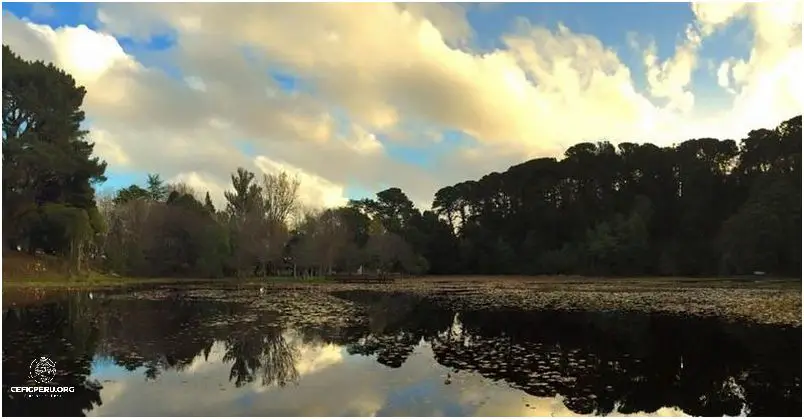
(19, 389)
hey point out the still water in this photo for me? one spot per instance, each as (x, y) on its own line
(246, 352)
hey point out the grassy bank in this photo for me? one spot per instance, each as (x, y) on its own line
(96, 280)
(24, 271)
(21, 292)
(21, 270)
(93, 280)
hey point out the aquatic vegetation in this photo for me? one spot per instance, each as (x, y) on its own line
(588, 348)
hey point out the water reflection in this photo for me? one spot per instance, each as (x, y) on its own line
(403, 356)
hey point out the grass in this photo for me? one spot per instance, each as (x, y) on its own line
(291, 280)
(20, 292)
(98, 280)
(25, 271)
(92, 280)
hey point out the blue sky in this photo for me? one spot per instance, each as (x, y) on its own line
(364, 99)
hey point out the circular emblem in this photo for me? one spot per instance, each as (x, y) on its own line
(43, 370)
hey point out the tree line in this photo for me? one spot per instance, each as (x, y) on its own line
(702, 207)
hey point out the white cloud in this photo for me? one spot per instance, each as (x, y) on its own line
(671, 79)
(402, 72)
(768, 85)
(313, 190)
(105, 146)
(144, 120)
(713, 15)
(723, 73)
(80, 51)
(202, 183)
(577, 77)
(343, 50)
(196, 83)
(449, 18)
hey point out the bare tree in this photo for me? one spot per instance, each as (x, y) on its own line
(106, 208)
(280, 194)
(280, 201)
(129, 232)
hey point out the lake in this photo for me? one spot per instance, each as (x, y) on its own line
(232, 351)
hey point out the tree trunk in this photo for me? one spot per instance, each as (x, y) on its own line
(79, 256)
(75, 256)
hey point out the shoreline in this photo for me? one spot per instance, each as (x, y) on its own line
(104, 281)
(768, 301)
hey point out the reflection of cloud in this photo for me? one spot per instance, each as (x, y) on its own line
(493, 399)
(509, 404)
(201, 363)
(309, 358)
(330, 384)
(312, 359)
(663, 412)
(112, 390)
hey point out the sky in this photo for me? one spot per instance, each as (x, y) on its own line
(356, 98)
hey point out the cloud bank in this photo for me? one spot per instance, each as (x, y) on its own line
(371, 77)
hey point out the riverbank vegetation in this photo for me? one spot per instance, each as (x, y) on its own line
(701, 207)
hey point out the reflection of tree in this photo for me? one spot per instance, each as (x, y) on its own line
(632, 362)
(397, 323)
(156, 335)
(151, 335)
(279, 361)
(261, 351)
(46, 331)
(599, 362)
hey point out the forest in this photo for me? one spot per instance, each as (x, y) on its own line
(703, 207)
